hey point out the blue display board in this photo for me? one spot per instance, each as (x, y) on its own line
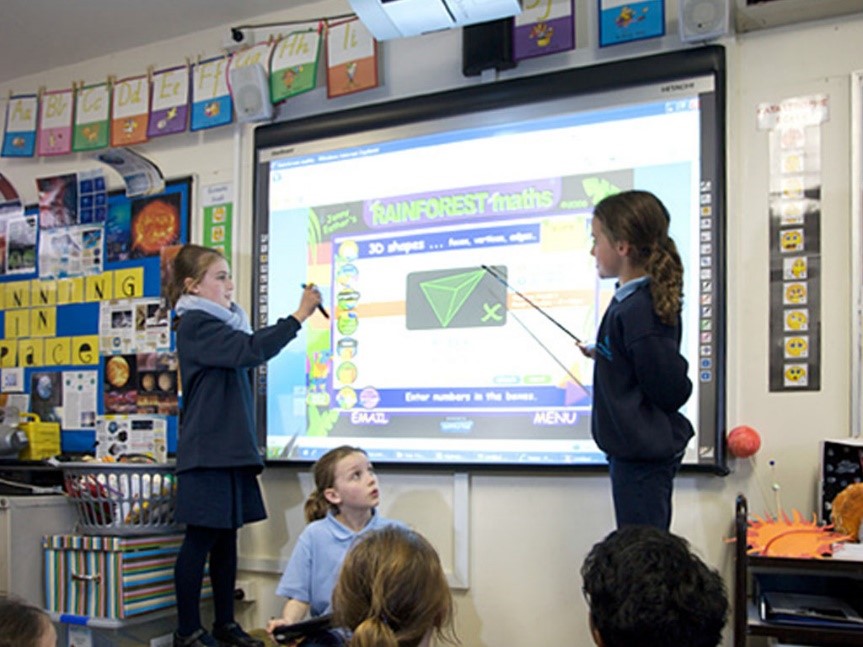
(81, 276)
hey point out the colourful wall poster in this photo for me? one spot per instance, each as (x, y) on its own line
(52, 323)
(794, 138)
(621, 21)
(218, 207)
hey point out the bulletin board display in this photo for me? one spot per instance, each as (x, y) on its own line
(86, 331)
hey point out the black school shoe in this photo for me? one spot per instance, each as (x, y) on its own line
(232, 635)
(198, 639)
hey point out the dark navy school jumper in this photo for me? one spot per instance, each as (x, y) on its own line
(640, 382)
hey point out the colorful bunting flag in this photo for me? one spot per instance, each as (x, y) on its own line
(56, 111)
(621, 21)
(352, 58)
(544, 27)
(294, 64)
(19, 139)
(7, 191)
(211, 99)
(131, 103)
(256, 54)
(169, 107)
(92, 117)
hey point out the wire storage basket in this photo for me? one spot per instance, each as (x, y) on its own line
(122, 499)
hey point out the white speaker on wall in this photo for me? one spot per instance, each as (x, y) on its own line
(702, 20)
(250, 90)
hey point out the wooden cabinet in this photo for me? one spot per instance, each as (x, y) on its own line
(755, 574)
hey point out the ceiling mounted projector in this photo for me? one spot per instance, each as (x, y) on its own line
(388, 19)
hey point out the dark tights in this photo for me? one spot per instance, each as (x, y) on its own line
(221, 545)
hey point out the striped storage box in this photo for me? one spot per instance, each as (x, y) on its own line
(110, 577)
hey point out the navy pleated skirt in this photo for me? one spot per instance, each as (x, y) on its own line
(219, 498)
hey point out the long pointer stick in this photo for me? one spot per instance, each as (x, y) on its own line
(529, 302)
(546, 349)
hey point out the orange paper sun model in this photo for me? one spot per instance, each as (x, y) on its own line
(794, 537)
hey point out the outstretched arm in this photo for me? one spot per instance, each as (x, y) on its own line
(293, 612)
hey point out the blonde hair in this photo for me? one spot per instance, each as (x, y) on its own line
(191, 262)
(324, 471)
(392, 591)
(640, 219)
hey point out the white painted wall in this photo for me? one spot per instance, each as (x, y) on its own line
(529, 534)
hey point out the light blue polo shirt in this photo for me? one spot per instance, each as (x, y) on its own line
(312, 571)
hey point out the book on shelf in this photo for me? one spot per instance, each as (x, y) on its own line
(807, 609)
(848, 550)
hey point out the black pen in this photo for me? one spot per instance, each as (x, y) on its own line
(321, 308)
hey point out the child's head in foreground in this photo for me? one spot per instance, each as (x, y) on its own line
(646, 588)
(24, 625)
(392, 591)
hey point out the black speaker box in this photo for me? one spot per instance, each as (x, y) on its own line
(487, 45)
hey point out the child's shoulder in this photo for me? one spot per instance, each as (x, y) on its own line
(637, 301)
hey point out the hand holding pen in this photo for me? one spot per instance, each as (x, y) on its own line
(311, 290)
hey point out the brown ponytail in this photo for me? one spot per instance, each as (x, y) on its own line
(392, 591)
(640, 219)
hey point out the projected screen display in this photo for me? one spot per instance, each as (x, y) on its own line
(450, 236)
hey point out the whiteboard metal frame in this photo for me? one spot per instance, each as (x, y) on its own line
(857, 252)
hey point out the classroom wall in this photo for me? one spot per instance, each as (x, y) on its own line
(528, 534)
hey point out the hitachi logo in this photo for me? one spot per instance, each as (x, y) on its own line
(677, 87)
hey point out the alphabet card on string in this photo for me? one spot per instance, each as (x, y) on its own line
(131, 111)
(55, 122)
(352, 58)
(92, 117)
(169, 107)
(259, 54)
(19, 139)
(211, 99)
(294, 64)
(543, 27)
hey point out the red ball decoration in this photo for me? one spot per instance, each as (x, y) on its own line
(743, 441)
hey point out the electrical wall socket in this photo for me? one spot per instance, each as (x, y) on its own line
(249, 589)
